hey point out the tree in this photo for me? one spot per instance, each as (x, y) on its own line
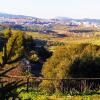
(76, 61)
(7, 33)
(12, 51)
(13, 48)
(29, 43)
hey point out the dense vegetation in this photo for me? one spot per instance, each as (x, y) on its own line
(46, 56)
(73, 61)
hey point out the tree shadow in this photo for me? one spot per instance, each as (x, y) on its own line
(88, 68)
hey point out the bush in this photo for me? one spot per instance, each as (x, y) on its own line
(76, 61)
(32, 95)
(47, 87)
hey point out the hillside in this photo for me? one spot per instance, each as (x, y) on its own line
(56, 19)
(6, 15)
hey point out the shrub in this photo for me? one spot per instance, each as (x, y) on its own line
(80, 61)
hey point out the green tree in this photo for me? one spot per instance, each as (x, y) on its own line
(81, 60)
(12, 51)
(7, 33)
(13, 48)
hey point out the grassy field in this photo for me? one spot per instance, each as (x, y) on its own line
(92, 40)
(37, 35)
(66, 40)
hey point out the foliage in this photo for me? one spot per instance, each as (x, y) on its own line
(29, 43)
(33, 56)
(87, 64)
(13, 51)
(44, 52)
(47, 86)
(7, 33)
(8, 87)
(81, 60)
(15, 45)
(32, 95)
(65, 57)
(13, 48)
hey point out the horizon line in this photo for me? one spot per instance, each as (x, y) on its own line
(48, 17)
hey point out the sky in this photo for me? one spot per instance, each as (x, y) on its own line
(52, 8)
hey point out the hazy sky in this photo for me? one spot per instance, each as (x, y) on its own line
(52, 8)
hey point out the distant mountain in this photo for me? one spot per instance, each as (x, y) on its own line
(62, 19)
(77, 20)
(56, 19)
(88, 20)
(14, 16)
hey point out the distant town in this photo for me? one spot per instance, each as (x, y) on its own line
(9, 19)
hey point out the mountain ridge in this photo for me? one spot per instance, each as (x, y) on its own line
(59, 18)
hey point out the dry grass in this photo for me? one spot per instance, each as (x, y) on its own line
(66, 40)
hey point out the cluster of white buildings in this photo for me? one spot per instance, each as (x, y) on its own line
(85, 24)
(46, 22)
(19, 21)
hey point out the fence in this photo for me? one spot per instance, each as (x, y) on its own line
(53, 84)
